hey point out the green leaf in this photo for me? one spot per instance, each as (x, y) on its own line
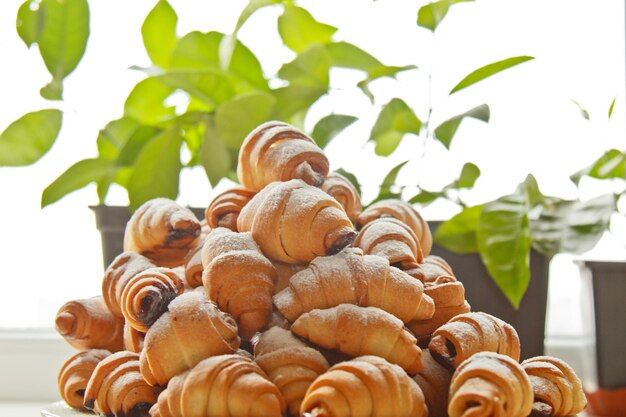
(394, 121)
(208, 86)
(215, 157)
(469, 174)
(458, 234)
(386, 188)
(328, 127)
(564, 226)
(141, 136)
(62, 40)
(489, 70)
(251, 8)
(75, 177)
(295, 98)
(347, 55)
(530, 190)
(156, 170)
(236, 118)
(611, 107)
(425, 197)
(145, 103)
(430, 15)
(310, 67)
(29, 22)
(611, 165)
(28, 138)
(583, 111)
(299, 29)
(445, 131)
(112, 138)
(503, 236)
(350, 177)
(380, 72)
(158, 32)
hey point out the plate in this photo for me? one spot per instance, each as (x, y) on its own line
(61, 409)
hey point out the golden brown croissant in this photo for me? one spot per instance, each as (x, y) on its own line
(221, 386)
(352, 278)
(490, 384)
(294, 222)
(431, 269)
(557, 389)
(358, 331)
(224, 209)
(193, 329)
(289, 363)
(276, 151)
(342, 190)
(133, 339)
(434, 380)
(364, 386)
(75, 374)
(116, 387)
(469, 333)
(88, 324)
(391, 239)
(284, 272)
(404, 212)
(193, 265)
(239, 279)
(145, 296)
(163, 231)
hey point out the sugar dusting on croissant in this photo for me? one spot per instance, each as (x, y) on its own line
(75, 374)
(342, 190)
(224, 210)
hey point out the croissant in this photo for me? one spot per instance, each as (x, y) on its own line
(75, 374)
(351, 278)
(434, 380)
(239, 279)
(289, 363)
(125, 266)
(358, 331)
(145, 296)
(224, 209)
(364, 386)
(116, 387)
(404, 212)
(276, 151)
(342, 190)
(293, 222)
(221, 386)
(133, 339)
(163, 231)
(391, 239)
(490, 384)
(88, 324)
(431, 269)
(557, 389)
(193, 265)
(466, 334)
(192, 329)
(284, 272)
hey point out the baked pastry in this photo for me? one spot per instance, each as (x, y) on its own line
(404, 212)
(88, 324)
(434, 380)
(556, 387)
(146, 296)
(490, 384)
(133, 339)
(342, 190)
(75, 374)
(192, 329)
(467, 334)
(365, 386)
(163, 231)
(221, 386)
(290, 363)
(239, 279)
(352, 278)
(193, 265)
(358, 331)
(284, 272)
(391, 239)
(225, 207)
(276, 151)
(432, 268)
(116, 387)
(294, 222)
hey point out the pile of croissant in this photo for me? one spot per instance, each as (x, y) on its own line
(289, 299)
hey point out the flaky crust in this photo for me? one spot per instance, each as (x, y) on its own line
(192, 329)
(352, 278)
(290, 364)
(239, 278)
(224, 386)
(133, 339)
(75, 373)
(432, 268)
(358, 331)
(364, 386)
(225, 207)
(434, 380)
(193, 264)
(490, 384)
(294, 222)
(276, 151)
(163, 231)
(342, 190)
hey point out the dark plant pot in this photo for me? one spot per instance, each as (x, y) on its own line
(480, 290)
(609, 288)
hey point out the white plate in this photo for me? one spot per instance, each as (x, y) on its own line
(61, 409)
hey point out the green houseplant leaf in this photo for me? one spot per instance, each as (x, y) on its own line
(75, 177)
(458, 234)
(612, 164)
(430, 15)
(352, 178)
(328, 127)
(208, 86)
(347, 55)
(310, 67)
(235, 118)
(489, 70)
(299, 29)
(159, 33)
(394, 121)
(28, 22)
(214, 155)
(469, 174)
(28, 138)
(445, 131)
(145, 103)
(386, 188)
